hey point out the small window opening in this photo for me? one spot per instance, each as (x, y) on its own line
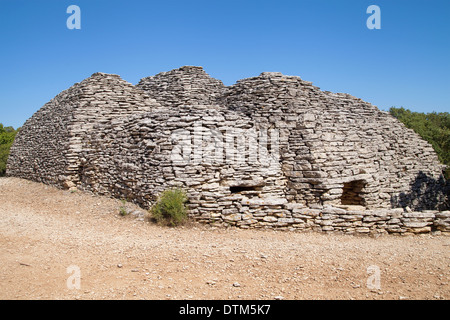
(352, 193)
(244, 189)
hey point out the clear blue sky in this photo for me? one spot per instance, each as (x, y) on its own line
(405, 63)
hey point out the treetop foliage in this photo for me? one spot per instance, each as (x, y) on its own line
(7, 135)
(432, 127)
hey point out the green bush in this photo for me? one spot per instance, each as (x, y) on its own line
(7, 135)
(432, 127)
(170, 208)
(123, 208)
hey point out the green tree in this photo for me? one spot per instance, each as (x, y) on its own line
(7, 135)
(432, 127)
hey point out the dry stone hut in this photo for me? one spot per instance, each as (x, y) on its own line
(268, 151)
(49, 145)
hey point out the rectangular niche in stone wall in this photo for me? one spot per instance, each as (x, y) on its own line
(244, 189)
(352, 193)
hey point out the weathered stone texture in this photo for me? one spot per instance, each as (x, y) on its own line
(188, 85)
(333, 140)
(49, 144)
(328, 162)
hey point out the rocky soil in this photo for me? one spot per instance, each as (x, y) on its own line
(46, 232)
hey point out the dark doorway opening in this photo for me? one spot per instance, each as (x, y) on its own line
(352, 193)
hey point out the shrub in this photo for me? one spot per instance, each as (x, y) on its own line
(170, 208)
(7, 135)
(123, 208)
(432, 127)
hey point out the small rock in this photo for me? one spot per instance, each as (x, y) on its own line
(278, 297)
(236, 284)
(119, 265)
(355, 285)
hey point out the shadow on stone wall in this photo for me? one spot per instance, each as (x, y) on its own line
(426, 193)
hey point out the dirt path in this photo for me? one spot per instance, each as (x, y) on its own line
(46, 232)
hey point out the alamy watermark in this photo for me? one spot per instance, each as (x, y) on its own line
(204, 145)
(74, 280)
(74, 20)
(374, 21)
(374, 279)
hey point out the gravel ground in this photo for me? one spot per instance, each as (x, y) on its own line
(47, 235)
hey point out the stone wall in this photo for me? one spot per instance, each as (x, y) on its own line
(188, 85)
(156, 151)
(39, 150)
(331, 142)
(49, 144)
(271, 151)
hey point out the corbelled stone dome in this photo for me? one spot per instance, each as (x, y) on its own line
(268, 151)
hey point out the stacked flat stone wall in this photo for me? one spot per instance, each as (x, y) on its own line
(49, 144)
(188, 85)
(138, 157)
(271, 151)
(331, 142)
(39, 150)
